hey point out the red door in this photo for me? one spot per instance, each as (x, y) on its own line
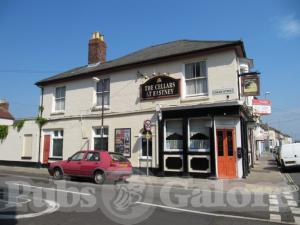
(46, 148)
(226, 153)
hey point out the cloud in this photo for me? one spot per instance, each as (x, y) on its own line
(288, 27)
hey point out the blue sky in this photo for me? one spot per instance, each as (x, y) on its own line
(41, 38)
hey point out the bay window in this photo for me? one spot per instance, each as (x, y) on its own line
(174, 135)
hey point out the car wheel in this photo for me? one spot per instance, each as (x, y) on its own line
(99, 177)
(57, 174)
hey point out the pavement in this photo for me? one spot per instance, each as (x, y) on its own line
(264, 177)
(29, 196)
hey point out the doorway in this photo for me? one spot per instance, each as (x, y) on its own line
(226, 149)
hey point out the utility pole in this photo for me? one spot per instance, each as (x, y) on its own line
(102, 114)
(268, 137)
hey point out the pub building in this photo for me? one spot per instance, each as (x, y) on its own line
(195, 94)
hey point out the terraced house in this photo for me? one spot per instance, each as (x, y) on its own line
(191, 91)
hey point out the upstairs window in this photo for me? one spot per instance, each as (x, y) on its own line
(60, 97)
(102, 91)
(196, 78)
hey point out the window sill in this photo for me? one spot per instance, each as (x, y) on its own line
(57, 113)
(191, 98)
(55, 158)
(26, 157)
(99, 108)
(145, 158)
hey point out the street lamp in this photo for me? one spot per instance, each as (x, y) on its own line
(268, 137)
(102, 108)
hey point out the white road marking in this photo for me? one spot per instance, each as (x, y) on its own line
(274, 208)
(273, 196)
(209, 214)
(273, 201)
(52, 189)
(289, 197)
(292, 203)
(295, 210)
(297, 219)
(275, 217)
(286, 192)
(52, 207)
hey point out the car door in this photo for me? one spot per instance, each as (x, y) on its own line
(90, 163)
(73, 165)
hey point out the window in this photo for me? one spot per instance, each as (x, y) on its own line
(144, 146)
(77, 157)
(27, 147)
(102, 89)
(196, 78)
(220, 139)
(60, 97)
(101, 143)
(93, 156)
(199, 135)
(174, 137)
(118, 157)
(57, 143)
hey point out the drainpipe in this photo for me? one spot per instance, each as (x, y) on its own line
(40, 128)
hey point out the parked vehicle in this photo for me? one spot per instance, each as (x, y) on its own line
(99, 165)
(289, 155)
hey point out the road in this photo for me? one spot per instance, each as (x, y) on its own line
(25, 200)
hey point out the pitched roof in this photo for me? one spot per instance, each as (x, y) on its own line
(156, 52)
(5, 114)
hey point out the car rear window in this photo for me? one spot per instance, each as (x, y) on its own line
(118, 157)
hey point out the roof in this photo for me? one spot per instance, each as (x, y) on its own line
(149, 54)
(4, 114)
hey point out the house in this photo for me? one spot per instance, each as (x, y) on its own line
(186, 100)
(5, 116)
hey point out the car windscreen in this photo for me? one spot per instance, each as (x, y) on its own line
(118, 157)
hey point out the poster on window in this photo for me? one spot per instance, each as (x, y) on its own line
(123, 141)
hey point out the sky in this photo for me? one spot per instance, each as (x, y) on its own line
(42, 38)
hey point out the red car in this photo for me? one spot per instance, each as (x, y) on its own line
(99, 165)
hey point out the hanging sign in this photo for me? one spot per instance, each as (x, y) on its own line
(160, 87)
(250, 85)
(261, 107)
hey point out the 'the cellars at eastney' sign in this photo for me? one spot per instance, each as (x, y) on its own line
(160, 87)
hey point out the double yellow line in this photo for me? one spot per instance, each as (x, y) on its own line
(292, 183)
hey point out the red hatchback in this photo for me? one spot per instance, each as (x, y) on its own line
(99, 165)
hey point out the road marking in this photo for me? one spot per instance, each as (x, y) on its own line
(273, 196)
(273, 201)
(53, 189)
(52, 207)
(273, 208)
(289, 197)
(297, 219)
(295, 210)
(210, 214)
(292, 203)
(275, 217)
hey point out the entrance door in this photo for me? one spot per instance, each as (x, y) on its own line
(226, 153)
(46, 148)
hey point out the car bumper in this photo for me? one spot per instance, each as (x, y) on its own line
(50, 171)
(118, 174)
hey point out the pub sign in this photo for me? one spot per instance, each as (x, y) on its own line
(160, 87)
(250, 85)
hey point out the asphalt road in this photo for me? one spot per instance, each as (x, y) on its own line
(39, 200)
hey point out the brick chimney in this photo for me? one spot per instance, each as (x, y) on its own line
(4, 104)
(97, 49)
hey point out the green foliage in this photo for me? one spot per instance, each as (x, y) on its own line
(3, 132)
(41, 121)
(41, 109)
(19, 124)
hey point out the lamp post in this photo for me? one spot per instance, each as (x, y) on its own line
(268, 137)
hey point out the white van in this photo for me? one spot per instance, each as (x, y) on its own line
(289, 155)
